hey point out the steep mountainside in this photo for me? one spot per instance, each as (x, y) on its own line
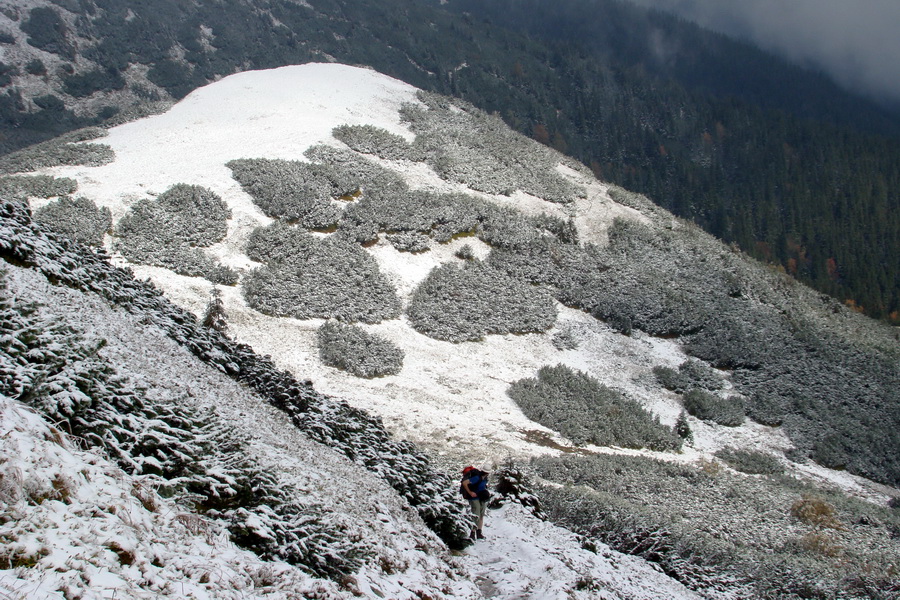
(692, 119)
(489, 300)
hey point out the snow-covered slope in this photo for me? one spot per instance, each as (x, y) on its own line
(75, 525)
(449, 398)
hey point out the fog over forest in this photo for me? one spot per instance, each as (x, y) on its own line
(856, 43)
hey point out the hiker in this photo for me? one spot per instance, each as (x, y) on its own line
(474, 489)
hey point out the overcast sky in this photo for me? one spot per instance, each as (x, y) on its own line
(856, 41)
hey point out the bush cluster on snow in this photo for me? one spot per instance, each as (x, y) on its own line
(306, 277)
(751, 462)
(400, 210)
(784, 358)
(78, 219)
(462, 304)
(588, 412)
(67, 149)
(712, 529)
(442, 217)
(353, 349)
(689, 375)
(170, 231)
(369, 139)
(359, 436)
(292, 190)
(465, 145)
(304, 193)
(38, 186)
(706, 406)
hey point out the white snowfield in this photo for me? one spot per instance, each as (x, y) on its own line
(449, 398)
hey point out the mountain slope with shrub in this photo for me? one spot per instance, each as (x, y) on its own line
(650, 102)
(485, 312)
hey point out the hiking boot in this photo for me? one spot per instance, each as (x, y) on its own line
(478, 534)
(474, 534)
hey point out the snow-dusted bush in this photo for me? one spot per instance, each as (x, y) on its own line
(707, 406)
(39, 186)
(720, 530)
(359, 436)
(690, 374)
(409, 241)
(683, 428)
(465, 145)
(465, 252)
(401, 210)
(566, 338)
(567, 268)
(63, 150)
(170, 230)
(751, 461)
(466, 303)
(78, 219)
(349, 171)
(512, 484)
(505, 227)
(305, 277)
(562, 229)
(292, 190)
(369, 139)
(351, 348)
(588, 412)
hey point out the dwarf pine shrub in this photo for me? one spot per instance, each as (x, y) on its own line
(369, 139)
(170, 230)
(566, 338)
(409, 241)
(399, 210)
(460, 304)
(304, 277)
(348, 171)
(465, 252)
(588, 412)
(78, 219)
(751, 462)
(214, 316)
(67, 149)
(707, 406)
(465, 145)
(291, 190)
(683, 428)
(690, 374)
(353, 349)
(39, 186)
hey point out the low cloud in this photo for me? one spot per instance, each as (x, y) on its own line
(855, 42)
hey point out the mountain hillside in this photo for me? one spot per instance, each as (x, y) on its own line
(657, 105)
(621, 372)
